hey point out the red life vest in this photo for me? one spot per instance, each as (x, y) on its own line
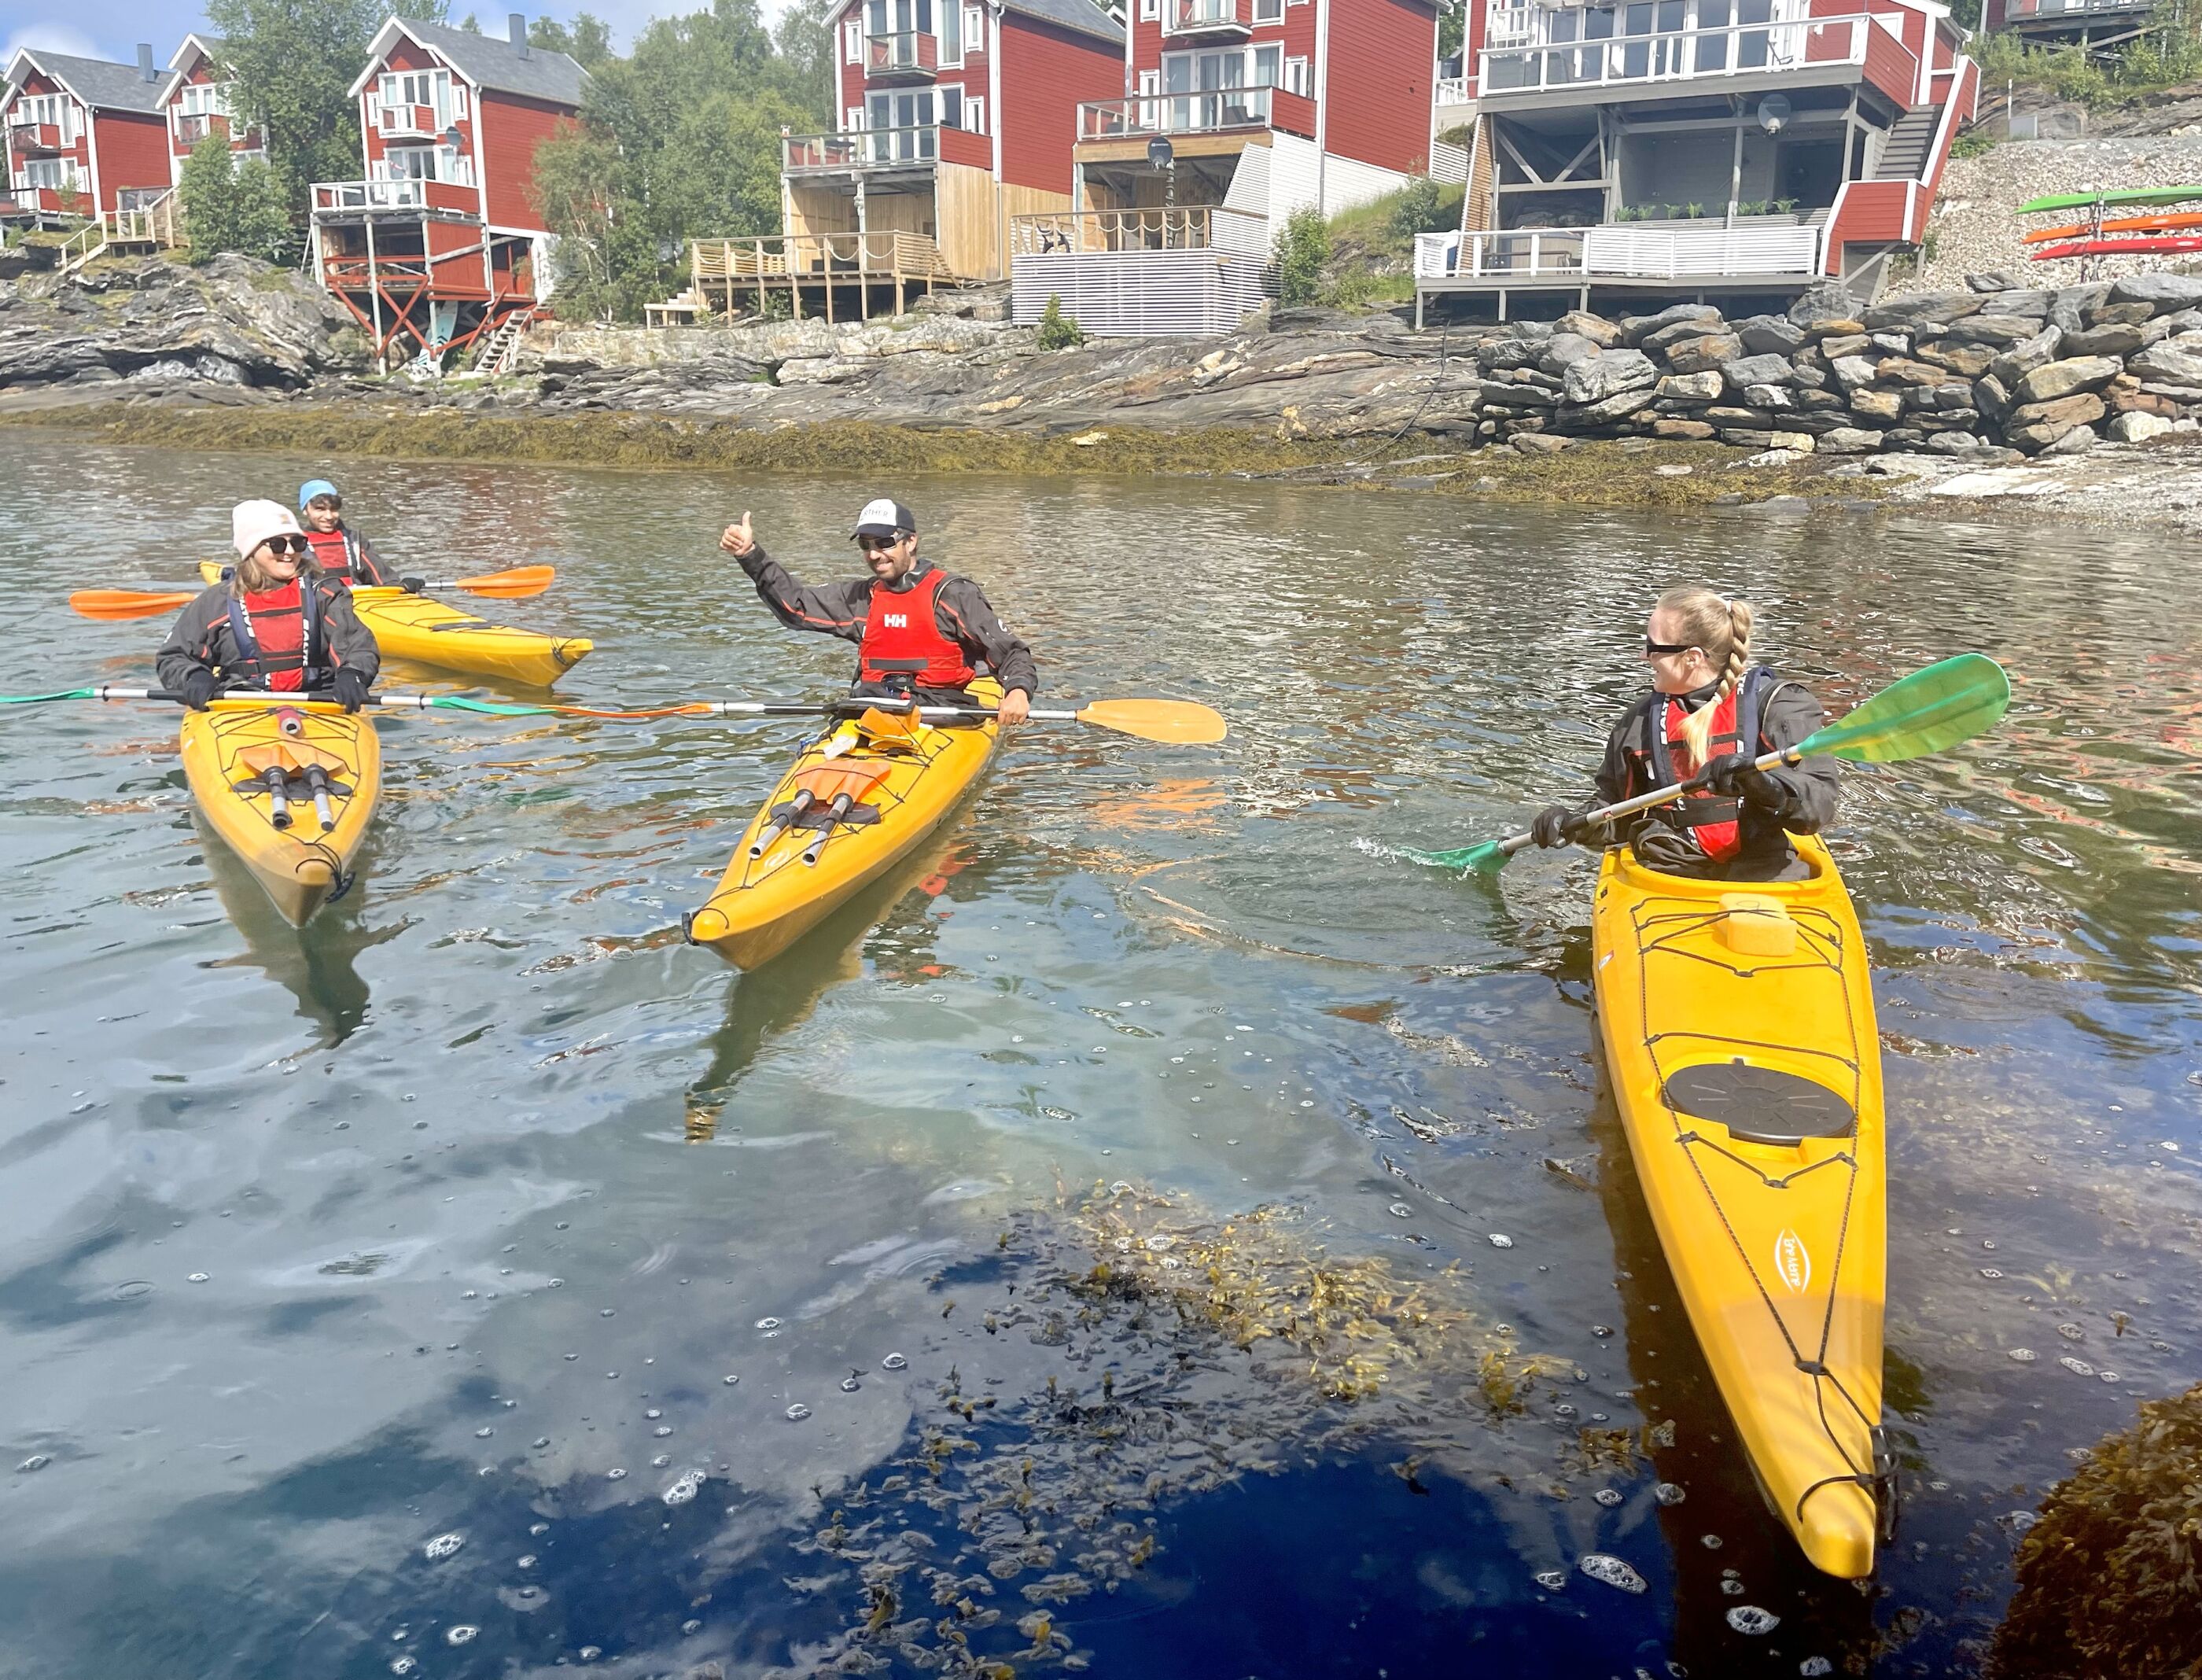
(1711, 819)
(340, 557)
(274, 631)
(902, 638)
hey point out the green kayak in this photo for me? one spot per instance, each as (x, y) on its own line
(2132, 195)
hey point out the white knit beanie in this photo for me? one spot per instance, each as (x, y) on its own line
(251, 524)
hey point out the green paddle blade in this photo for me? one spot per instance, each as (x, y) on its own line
(489, 708)
(1488, 858)
(39, 699)
(1926, 712)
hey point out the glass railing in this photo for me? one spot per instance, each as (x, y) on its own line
(909, 51)
(1175, 112)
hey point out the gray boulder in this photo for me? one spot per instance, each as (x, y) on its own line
(1612, 409)
(1564, 349)
(1608, 374)
(1707, 350)
(2053, 379)
(2163, 293)
(1994, 329)
(1996, 280)
(1605, 333)
(1775, 397)
(2118, 339)
(1705, 387)
(1940, 307)
(1675, 332)
(2068, 309)
(1826, 302)
(1849, 440)
(2022, 359)
(1635, 328)
(1757, 371)
(1770, 335)
(2167, 364)
(1854, 372)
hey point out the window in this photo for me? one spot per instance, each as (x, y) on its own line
(1296, 78)
(1150, 82)
(852, 120)
(852, 41)
(206, 99)
(975, 117)
(58, 174)
(1268, 66)
(952, 32)
(1268, 11)
(951, 108)
(432, 88)
(1150, 10)
(974, 30)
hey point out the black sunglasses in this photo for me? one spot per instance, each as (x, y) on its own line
(1652, 648)
(868, 544)
(287, 544)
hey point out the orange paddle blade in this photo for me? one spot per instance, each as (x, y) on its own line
(516, 585)
(823, 783)
(1175, 720)
(128, 602)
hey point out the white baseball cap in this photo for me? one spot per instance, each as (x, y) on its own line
(884, 517)
(251, 524)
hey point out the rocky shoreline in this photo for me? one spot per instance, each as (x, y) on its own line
(1825, 402)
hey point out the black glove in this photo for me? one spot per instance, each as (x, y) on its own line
(198, 688)
(1555, 825)
(412, 585)
(1734, 776)
(349, 689)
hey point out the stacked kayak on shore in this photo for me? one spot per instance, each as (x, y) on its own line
(854, 803)
(291, 789)
(430, 632)
(1738, 1030)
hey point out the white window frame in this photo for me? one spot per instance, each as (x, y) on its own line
(1150, 83)
(974, 115)
(1298, 78)
(1273, 49)
(1268, 11)
(852, 120)
(1150, 10)
(852, 37)
(974, 31)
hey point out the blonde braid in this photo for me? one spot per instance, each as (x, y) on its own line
(1723, 629)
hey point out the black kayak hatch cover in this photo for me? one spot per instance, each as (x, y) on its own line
(1760, 1104)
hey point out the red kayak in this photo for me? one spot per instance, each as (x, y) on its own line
(2163, 246)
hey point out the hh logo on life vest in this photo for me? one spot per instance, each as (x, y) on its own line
(894, 621)
(1792, 1260)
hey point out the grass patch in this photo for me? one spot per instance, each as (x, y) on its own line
(2164, 57)
(1591, 474)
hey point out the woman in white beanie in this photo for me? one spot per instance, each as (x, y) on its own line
(276, 624)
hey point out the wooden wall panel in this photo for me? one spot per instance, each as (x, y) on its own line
(968, 235)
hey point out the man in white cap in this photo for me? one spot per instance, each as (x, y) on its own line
(920, 633)
(274, 623)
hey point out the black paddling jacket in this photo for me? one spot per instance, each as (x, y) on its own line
(840, 610)
(202, 637)
(1787, 713)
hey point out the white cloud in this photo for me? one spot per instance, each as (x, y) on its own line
(50, 38)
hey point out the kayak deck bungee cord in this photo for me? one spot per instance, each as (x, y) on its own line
(1738, 1024)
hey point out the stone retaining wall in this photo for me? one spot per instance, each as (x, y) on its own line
(1990, 368)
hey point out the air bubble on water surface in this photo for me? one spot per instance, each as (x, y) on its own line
(527, 1562)
(797, 1412)
(591, 1652)
(1608, 1496)
(2077, 1367)
(461, 1635)
(615, 1475)
(660, 1461)
(2025, 1356)
(403, 1665)
(1667, 1493)
(1401, 1211)
(849, 1385)
(1991, 1273)
(2110, 1375)
(893, 1362)
(769, 1325)
(1711, 1542)
(1553, 1580)
(1603, 1567)
(442, 1546)
(2071, 1333)
(653, 1412)
(196, 1278)
(1732, 1586)
(685, 1487)
(37, 1461)
(1813, 1667)
(1501, 1240)
(662, 1430)
(1750, 1619)
(484, 1433)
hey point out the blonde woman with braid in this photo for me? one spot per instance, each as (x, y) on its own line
(1710, 710)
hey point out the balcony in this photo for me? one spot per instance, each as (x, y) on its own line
(1188, 227)
(1451, 91)
(349, 201)
(908, 56)
(1776, 248)
(1836, 50)
(1224, 20)
(407, 121)
(30, 137)
(884, 149)
(2052, 13)
(1214, 113)
(191, 130)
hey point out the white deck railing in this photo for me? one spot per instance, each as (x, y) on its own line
(1184, 228)
(1621, 252)
(1674, 54)
(1451, 90)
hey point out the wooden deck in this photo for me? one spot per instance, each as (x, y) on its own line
(836, 274)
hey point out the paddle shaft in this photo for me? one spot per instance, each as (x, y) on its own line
(1657, 796)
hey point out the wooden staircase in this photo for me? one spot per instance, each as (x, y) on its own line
(151, 225)
(1903, 157)
(495, 353)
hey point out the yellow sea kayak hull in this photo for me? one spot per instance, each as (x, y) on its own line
(1739, 1029)
(763, 904)
(430, 632)
(301, 866)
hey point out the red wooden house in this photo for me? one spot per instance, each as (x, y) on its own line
(2090, 23)
(197, 100)
(1233, 114)
(1700, 149)
(438, 246)
(955, 116)
(83, 135)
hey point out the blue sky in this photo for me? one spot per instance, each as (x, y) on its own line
(112, 28)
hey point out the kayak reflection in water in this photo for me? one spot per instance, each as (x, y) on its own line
(920, 633)
(1709, 708)
(273, 623)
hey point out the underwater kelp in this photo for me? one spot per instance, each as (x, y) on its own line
(2110, 1578)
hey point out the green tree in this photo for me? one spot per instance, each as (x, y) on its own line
(1303, 248)
(588, 43)
(229, 206)
(679, 140)
(294, 63)
(1056, 330)
(805, 40)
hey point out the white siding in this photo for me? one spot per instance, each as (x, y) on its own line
(1249, 183)
(1141, 293)
(1347, 182)
(1293, 175)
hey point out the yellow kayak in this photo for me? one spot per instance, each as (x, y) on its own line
(431, 631)
(857, 799)
(326, 765)
(1739, 1029)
